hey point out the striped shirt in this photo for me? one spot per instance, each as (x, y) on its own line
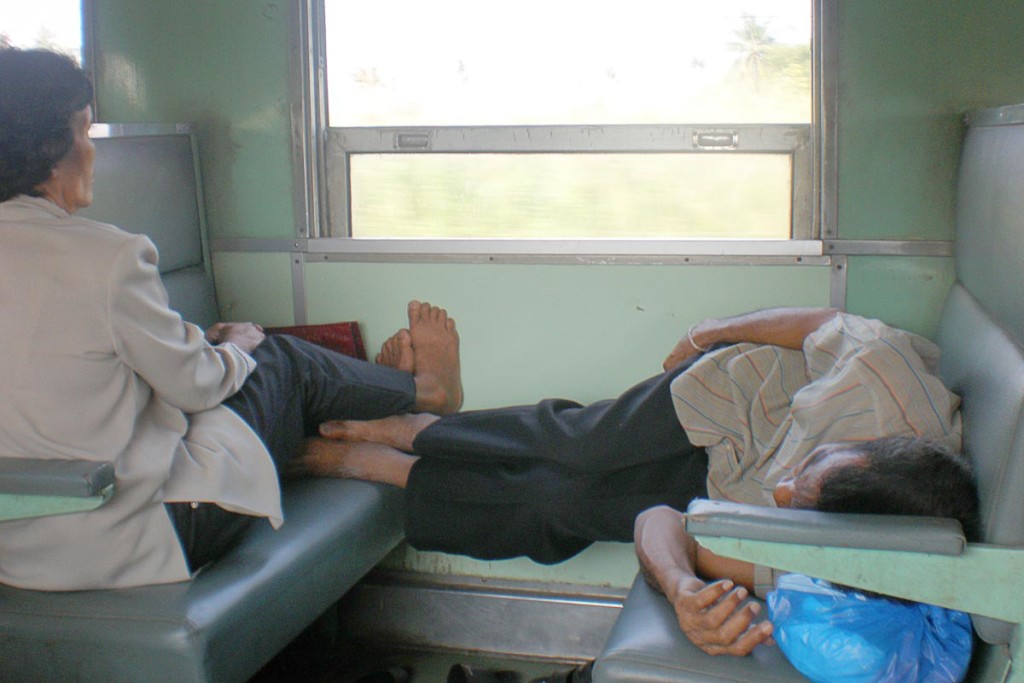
(761, 410)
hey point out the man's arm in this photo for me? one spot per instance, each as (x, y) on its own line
(713, 616)
(786, 327)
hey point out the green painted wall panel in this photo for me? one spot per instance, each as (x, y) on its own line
(532, 332)
(224, 66)
(903, 291)
(907, 71)
(254, 287)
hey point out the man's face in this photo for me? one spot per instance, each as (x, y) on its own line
(800, 489)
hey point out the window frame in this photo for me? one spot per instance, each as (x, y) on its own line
(322, 156)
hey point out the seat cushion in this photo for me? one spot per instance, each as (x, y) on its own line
(225, 624)
(646, 644)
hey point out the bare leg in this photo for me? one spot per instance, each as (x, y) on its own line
(366, 461)
(435, 348)
(396, 352)
(398, 431)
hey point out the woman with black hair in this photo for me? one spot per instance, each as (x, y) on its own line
(95, 366)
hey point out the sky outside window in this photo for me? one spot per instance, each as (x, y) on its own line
(463, 62)
(51, 24)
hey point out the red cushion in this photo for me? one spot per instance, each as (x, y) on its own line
(341, 337)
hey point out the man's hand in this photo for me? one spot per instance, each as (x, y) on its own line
(246, 336)
(715, 618)
(682, 351)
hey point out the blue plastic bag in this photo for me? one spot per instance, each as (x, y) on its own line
(842, 636)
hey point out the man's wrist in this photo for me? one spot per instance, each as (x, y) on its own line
(705, 334)
(693, 342)
(685, 583)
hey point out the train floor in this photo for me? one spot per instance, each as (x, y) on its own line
(312, 659)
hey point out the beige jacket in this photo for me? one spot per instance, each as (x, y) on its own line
(94, 365)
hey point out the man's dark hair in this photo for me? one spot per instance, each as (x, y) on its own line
(904, 476)
(41, 92)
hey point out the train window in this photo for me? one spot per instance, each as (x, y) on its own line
(51, 24)
(673, 121)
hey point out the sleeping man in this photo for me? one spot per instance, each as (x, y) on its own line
(747, 406)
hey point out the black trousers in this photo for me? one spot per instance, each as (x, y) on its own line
(295, 386)
(547, 480)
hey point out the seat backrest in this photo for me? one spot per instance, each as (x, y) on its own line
(982, 328)
(146, 181)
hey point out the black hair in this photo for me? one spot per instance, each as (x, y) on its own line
(42, 91)
(904, 476)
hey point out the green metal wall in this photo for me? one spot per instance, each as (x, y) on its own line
(224, 66)
(907, 69)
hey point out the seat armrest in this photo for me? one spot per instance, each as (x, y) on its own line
(932, 535)
(33, 487)
(38, 477)
(858, 551)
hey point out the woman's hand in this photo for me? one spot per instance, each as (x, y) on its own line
(246, 336)
(715, 618)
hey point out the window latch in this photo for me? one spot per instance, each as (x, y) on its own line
(412, 141)
(716, 139)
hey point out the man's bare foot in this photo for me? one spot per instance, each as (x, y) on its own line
(435, 348)
(366, 461)
(398, 431)
(396, 352)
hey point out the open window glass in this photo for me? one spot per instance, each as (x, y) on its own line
(569, 121)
